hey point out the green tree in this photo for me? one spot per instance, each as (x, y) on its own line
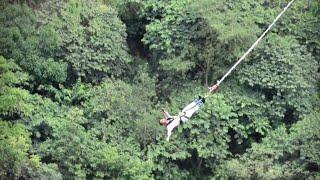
(32, 47)
(302, 22)
(281, 154)
(286, 75)
(74, 104)
(119, 110)
(80, 155)
(169, 37)
(93, 39)
(15, 161)
(12, 98)
(14, 145)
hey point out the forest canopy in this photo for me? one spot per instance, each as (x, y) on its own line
(82, 83)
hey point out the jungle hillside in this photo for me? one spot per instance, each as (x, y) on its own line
(83, 82)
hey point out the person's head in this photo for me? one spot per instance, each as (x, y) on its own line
(163, 122)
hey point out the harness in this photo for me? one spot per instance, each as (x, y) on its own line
(171, 119)
(198, 103)
(184, 115)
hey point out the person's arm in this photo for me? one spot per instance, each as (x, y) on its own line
(169, 132)
(171, 126)
(166, 114)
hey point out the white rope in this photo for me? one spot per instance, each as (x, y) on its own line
(254, 44)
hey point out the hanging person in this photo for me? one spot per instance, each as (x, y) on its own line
(172, 122)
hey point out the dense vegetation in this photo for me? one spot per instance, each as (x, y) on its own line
(82, 83)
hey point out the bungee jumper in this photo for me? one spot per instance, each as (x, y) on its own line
(173, 121)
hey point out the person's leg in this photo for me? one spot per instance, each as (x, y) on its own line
(184, 118)
(188, 113)
(200, 102)
(189, 110)
(189, 106)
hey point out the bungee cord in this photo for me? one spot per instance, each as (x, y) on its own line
(252, 46)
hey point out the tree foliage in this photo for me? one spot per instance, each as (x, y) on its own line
(82, 84)
(286, 75)
(16, 162)
(93, 39)
(281, 154)
(31, 45)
